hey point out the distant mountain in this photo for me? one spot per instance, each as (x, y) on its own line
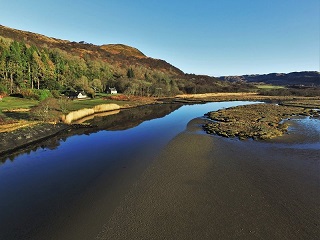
(306, 78)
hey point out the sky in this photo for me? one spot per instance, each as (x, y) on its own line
(211, 37)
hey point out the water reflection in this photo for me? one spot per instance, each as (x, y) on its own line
(49, 181)
(114, 120)
(303, 133)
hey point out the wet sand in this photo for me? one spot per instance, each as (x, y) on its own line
(209, 187)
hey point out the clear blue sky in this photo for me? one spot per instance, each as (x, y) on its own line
(213, 37)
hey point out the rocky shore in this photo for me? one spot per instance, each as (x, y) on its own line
(257, 121)
(22, 137)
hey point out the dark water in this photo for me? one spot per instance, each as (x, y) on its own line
(49, 187)
(66, 188)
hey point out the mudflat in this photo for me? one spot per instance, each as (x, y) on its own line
(210, 187)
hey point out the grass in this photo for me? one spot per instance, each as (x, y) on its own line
(101, 99)
(269, 87)
(90, 103)
(11, 103)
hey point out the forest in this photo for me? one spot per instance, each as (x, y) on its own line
(27, 70)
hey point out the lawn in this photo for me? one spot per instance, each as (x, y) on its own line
(11, 103)
(15, 109)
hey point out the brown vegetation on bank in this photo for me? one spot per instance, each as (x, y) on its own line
(14, 125)
(245, 96)
(257, 121)
(76, 115)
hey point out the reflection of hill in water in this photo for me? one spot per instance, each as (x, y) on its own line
(125, 119)
(133, 117)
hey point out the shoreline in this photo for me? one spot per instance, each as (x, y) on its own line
(194, 186)
(12, 141)
(201, 187)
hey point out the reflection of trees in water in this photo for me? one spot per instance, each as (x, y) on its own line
(51, 143)
(125, 119)
(132, 117)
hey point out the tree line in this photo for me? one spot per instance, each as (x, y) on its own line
(27, 68)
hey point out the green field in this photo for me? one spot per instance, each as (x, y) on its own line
(90, 103)
(11, 103)
(269, 87)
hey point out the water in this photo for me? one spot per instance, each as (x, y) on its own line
(46, 186)
(304, 133)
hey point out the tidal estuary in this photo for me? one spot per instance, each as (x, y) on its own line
(152, 173)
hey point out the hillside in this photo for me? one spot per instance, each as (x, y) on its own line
(123, 49)
(34, 61)
(114, 54)
(306, 78)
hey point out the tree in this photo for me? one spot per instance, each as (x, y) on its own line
(130, 73)
(38, 68)
(96, 85)
(82, 83)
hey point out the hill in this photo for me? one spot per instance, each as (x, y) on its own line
(34, 61)
(306, 78)
(124, 50)
(114, 54)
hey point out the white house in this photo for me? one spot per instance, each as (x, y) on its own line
(76, 94)
(82, 95)
(113, 90)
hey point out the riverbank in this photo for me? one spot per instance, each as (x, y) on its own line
(48, 135)
(163, 184)
(209, 187)
(21, 135)
(25, 136)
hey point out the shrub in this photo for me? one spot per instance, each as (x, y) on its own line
(37, 94)
(55, 93)
(28, 93)
(63, 103)
(43, 94)
(46, 110)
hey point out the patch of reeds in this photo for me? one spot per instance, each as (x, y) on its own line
(75, 115)
(105, 107)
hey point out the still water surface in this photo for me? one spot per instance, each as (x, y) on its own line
(43, 188)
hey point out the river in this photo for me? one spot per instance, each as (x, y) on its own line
(61, 185)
